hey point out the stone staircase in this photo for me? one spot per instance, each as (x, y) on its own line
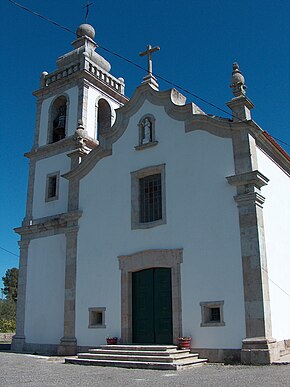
(162, 357)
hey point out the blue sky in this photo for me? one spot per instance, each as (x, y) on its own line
(199, 41)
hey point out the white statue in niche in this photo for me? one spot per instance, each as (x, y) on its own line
(146, 131)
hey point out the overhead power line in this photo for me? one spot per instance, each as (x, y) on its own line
(10, 252)
(41, 16)
(138, 66)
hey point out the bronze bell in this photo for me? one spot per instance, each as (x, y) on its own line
(59, 124)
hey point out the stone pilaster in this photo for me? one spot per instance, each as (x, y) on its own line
(83, 102)
(37, 126)
(258, 347)
(18, 340)
(68, 343)
(30, 188)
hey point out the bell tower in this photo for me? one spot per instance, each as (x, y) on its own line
(76, 103)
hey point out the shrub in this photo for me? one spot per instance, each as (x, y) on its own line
(7, 326)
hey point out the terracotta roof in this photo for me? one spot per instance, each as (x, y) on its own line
(276, 145)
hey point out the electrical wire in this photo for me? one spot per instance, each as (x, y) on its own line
(10, 252)
(41, 16)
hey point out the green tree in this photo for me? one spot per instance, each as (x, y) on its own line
(10, 281)
(8, 309)
(7, 315)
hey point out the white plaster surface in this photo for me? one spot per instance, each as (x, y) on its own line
(72, 110)
(277, 232)
(202, 218)
(44, 308)
(41, 208)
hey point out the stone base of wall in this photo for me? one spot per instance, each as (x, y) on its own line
(259, 350)
(41, 349)
(250, 355)
(17, 344)
(229, 356)
(284, 347)
(6, 337)
(67, 347)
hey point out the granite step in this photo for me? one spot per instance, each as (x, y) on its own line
(162, 357)
(142, 347)
(139, 358)
(168, 353)
(139, 365)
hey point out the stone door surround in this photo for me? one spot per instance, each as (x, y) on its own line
(145, 260)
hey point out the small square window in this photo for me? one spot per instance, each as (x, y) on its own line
(52, 184)
(212, 314)
(97, 317)
(148, 197)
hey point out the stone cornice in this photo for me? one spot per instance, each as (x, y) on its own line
(88, 163)
(220, 128)
(243, 200)
(173, 103)
(254, 177)
(248, 186)
(265, 142)
(240, 101)
(80, 75)
(59, 222)
(63, 146)
(48, 150)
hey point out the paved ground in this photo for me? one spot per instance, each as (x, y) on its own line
(27, 370)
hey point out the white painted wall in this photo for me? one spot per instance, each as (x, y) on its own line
(93, 96)
(72, 114)
(202, 218)
(41, 208)
(44, 306)
(277, 232)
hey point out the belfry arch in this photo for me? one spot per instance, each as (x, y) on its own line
(57, 119)
(104, 116)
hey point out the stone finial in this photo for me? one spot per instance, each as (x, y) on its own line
(238, 81)
(43, 79)
(85, 30)
(80, 130)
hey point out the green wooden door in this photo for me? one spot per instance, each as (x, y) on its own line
(152, 306)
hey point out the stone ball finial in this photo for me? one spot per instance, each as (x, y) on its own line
(238, 81)
(85, 30)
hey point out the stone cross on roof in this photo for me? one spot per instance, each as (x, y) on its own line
(87, 9)
(149, 78)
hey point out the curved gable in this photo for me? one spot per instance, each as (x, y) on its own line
(174, 105)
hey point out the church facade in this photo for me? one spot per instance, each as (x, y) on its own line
(148, 219)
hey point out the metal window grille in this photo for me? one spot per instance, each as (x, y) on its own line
(150, 198)
(51, 186)
(215, 314)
